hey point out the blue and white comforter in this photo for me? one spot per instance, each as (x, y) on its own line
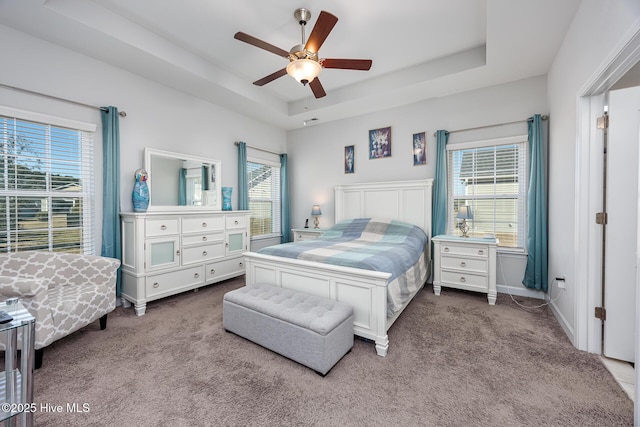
(389, 246)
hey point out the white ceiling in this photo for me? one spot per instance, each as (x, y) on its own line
(420, 48)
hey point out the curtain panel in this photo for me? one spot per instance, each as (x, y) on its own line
(284, 199)
(111, 188)
(535, 275)
(243, 186)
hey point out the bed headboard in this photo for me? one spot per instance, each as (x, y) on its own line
(408, 201)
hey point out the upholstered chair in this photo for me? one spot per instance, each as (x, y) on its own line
(63, 291)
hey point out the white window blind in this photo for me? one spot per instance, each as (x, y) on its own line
(46, 187)
(264, 198)
(491, 180)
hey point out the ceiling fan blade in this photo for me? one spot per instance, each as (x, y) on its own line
(347, 64)
(271, 77)
(321, 30)
(243, 37)
(316, 87)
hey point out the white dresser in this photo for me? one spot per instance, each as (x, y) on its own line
(166, 253)
(465, 263)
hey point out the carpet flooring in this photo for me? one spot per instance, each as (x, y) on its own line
(453, 361)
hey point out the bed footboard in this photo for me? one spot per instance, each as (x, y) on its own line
(364, 290)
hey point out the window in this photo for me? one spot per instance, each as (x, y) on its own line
(46, 186)
(264, 198)
(490, 177)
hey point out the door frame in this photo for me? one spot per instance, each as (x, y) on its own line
(587, 334)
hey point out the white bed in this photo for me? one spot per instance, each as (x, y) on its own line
(365, 290)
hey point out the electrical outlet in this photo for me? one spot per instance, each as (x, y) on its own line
(560, 281)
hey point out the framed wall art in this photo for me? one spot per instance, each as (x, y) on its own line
(380, 143)
(349, 159)
(419, 149)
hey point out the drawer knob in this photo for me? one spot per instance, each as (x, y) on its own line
(240, 264)
(163, 227)
(156, 285)
(463, 279)
(204, 238)
(178, 252)
(480, 252)
(196, 275)
(446, 249)
(204, 224)
(213, 271)
(237, 222)
(463, 264)
(204, 253)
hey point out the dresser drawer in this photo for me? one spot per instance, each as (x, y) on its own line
(161, 227)
(202, 238)
(221, 269)
(202, 224)
(469, 250)
(169, 283)
(202, 253)
(236, 221)
(478, 265)
(464, 280)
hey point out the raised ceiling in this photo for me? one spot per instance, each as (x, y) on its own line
(420, 49)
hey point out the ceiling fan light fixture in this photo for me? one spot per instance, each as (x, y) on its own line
(304, 70)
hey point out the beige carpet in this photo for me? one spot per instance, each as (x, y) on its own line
(453, 361)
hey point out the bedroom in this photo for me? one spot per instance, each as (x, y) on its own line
(166, 118)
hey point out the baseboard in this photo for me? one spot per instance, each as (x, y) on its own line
(520, 291)
(566, 326)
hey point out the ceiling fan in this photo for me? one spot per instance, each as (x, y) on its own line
(304, 64)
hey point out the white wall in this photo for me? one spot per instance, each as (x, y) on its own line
(157, 116)
(316, 152)
(592, 39)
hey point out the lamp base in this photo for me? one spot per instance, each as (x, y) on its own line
(464, 228)
(316, 223)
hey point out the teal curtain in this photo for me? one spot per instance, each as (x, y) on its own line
(439, 207)
(111, 188)
(284, 201)
(243, 185)
(535, 275)
(182, 187)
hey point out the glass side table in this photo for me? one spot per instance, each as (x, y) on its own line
(16, 382)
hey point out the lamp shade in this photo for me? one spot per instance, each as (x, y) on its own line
(464, 212)
(304, 70)
(315, 210)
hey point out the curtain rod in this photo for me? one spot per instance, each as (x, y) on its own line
(256, 148)
(120, 113)
(490, 126)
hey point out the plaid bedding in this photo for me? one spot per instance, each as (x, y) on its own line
(389, 246)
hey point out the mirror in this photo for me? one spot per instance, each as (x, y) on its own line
(181, 181)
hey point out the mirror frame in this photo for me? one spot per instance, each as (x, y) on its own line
(151, 152)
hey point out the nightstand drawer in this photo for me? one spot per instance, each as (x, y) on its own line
(464, 264)
(471, 250)
(464, 280)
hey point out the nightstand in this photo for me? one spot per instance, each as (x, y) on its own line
(300, 234)
(465, 263)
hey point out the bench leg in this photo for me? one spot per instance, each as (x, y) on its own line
(103, 322)
(37, 363)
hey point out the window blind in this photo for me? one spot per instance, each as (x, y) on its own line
(491, 180)
(264, 198)
(46, 187)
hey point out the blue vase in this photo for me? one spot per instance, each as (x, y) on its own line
(226, 198)
(140, 196)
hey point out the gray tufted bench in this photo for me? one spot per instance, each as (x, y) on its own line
(313, 331)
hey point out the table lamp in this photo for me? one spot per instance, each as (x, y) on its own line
(464, 213)
(316, 212)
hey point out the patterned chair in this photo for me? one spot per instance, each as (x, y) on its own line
(64, 292)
